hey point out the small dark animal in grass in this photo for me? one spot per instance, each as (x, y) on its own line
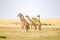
(2, 36)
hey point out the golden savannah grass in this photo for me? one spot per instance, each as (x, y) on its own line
(10, 28)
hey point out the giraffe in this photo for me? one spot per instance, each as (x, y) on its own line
(24, 23)
(39, 23)
(32, 23)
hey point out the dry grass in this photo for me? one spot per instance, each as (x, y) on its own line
(10, 28)
(44, 21)
(14, 33)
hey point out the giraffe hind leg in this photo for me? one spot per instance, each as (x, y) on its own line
(35, 27)
(39, 27)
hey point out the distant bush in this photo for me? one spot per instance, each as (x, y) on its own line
(48, 24)
(16, 23)
(44, 24)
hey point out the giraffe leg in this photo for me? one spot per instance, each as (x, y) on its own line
(39, 27)
(30, 26)
(35, 27)
(27, 27)
(22, 28)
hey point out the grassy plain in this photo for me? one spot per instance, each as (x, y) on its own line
(10, 29)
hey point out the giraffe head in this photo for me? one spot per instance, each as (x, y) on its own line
(27, 16)
(20, 14)
(38, 15)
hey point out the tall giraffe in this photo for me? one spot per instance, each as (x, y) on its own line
(32, 23)
(39, 23)
(24, 23)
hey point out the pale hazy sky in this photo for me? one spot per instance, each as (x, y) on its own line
(46, 8)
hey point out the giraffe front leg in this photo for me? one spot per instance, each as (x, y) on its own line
(27, 27)
(39, 27)
(22, 28)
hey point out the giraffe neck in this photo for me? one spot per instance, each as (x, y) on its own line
(22, 18)
(39, 19)
(29, 19)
